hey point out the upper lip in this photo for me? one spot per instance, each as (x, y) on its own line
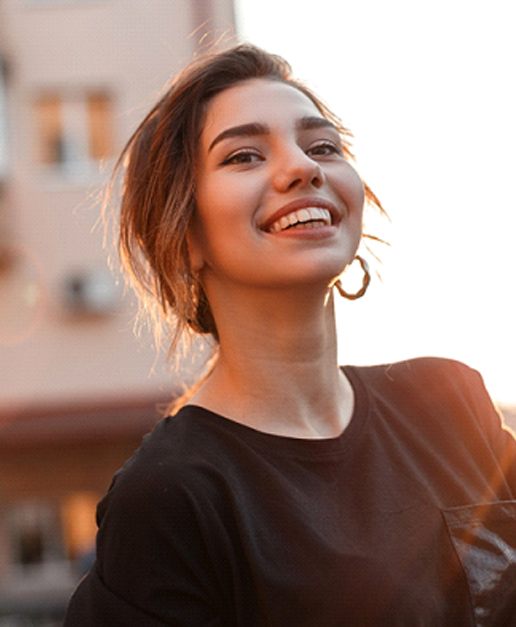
(301, 203)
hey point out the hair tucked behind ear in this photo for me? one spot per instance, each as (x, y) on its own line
(158, 167)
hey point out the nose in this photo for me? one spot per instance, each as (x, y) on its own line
(296, 169)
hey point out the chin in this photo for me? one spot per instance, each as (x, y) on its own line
(319, 281)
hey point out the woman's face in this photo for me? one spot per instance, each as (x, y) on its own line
(278, 203)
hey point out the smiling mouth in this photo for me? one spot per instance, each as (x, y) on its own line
(306, 218)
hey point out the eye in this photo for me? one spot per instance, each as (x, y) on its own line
(243, 156)
(325, 148)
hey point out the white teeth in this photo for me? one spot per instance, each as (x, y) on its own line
(283, 222)
(304, 216)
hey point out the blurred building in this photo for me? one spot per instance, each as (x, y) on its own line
(76, 389)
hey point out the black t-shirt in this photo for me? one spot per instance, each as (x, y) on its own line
(405, 519)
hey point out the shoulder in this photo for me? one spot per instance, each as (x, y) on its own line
(155, 523)
(432, 389)
(159, 502)
(410, 368)
(180, 471)
(429, 375)
(170, 459)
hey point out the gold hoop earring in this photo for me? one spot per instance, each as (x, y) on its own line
(365, 281)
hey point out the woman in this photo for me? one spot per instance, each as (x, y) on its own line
(288, 491)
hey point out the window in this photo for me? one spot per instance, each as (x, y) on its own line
(47, 539)
(74, 132)
(35, 535)
(98, 109)
(79, 526)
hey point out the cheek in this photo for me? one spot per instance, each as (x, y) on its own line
(357, 190)
(216, 221)
(226, 207)
(350, 188)
(219, 197)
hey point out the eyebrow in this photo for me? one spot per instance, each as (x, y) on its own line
(252, 129)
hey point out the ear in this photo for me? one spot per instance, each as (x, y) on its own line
(193, 243)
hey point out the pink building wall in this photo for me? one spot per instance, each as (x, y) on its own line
(128, 49)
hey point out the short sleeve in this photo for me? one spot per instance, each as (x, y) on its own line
(93, 603)
(499, 437)
(153, 565)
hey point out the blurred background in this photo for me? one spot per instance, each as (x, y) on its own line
(426, 89)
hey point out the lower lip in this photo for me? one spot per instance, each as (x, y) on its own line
(321, 232)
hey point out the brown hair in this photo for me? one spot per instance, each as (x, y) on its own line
(158, 190)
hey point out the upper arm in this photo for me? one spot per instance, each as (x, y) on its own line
(153, 566)
(93, 604)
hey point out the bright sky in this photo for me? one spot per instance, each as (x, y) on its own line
(427, 89)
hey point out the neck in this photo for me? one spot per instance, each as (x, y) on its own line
(277, 369)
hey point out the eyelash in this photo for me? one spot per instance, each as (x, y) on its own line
(333, 148)
(240, 157)
(245, 156)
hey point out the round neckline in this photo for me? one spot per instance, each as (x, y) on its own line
(331, 446)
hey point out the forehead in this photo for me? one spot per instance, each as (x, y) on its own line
(256, 100)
